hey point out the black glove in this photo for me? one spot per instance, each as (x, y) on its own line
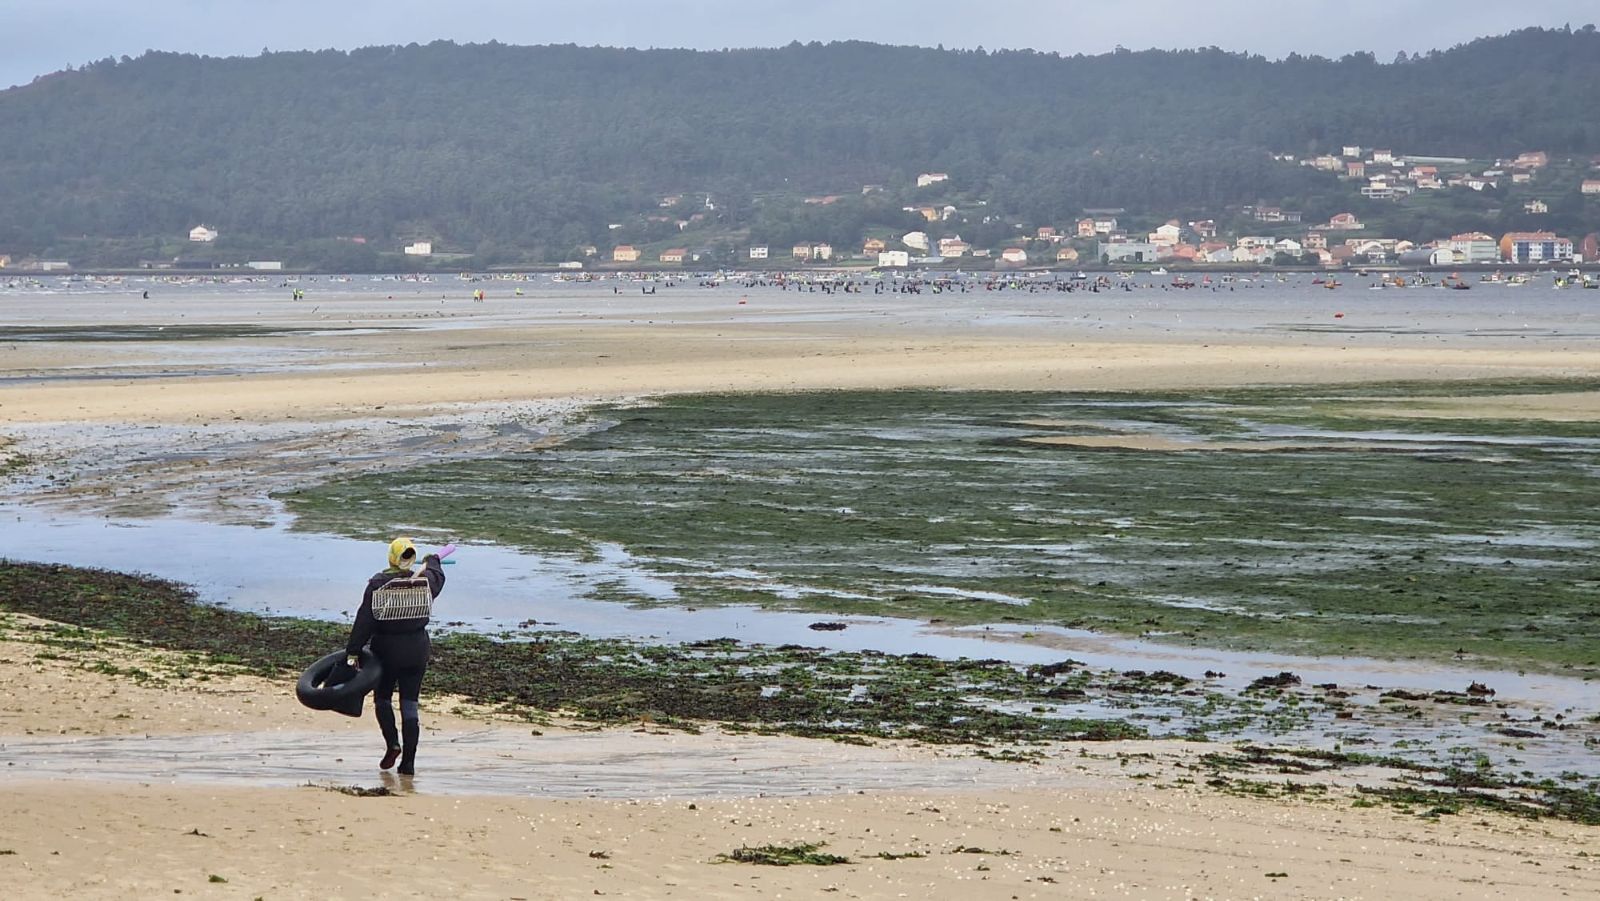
(342, 673)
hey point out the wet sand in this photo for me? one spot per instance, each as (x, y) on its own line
(628, 362)
(339, 396)
(141, 790)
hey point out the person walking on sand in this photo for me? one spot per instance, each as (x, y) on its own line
(399, 635)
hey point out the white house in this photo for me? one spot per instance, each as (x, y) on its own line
(1591, 186)
(1129, 252)
(915, 240)
(1378, 189)
(953, 247)
(1014, 255)
(760, 252)
(1374, 251)
(894, 259)
(265, 265)
(202, 234)
(420, 249)
(931, 178)
(1169, 234)
(1474, 247)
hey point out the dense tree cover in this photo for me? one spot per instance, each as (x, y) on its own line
(527, 152)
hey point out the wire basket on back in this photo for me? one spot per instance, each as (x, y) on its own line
(403, 598)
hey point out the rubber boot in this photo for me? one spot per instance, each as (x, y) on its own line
(408, 756)
(385, 714)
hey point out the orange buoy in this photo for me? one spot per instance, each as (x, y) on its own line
(1338, 315)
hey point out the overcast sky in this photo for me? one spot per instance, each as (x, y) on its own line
(41, 36)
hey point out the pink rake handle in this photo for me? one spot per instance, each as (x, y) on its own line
(445, 551)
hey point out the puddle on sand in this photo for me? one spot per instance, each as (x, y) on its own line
(508, 762)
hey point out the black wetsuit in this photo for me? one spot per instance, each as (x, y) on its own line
(402, 646)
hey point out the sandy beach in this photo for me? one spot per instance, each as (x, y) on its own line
(1099, 820)
(1106, 820)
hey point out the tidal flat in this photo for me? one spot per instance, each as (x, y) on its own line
(1315, 521)
(1427, 755)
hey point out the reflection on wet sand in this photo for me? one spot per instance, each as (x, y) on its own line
(513, 762)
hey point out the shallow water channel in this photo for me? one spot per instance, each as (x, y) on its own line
(493, 589)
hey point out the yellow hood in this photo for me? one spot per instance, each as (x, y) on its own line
(397, 549)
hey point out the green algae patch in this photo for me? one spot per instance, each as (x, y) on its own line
(1301, 520)
(1428, 790)
(791, 690)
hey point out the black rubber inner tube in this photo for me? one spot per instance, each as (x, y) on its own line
(347, 697)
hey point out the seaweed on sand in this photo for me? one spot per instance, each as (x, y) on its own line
(601, 680)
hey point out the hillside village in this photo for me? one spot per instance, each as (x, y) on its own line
(1251, 236)
(1261, 235)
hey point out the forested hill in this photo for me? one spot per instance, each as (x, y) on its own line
(494, 146)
